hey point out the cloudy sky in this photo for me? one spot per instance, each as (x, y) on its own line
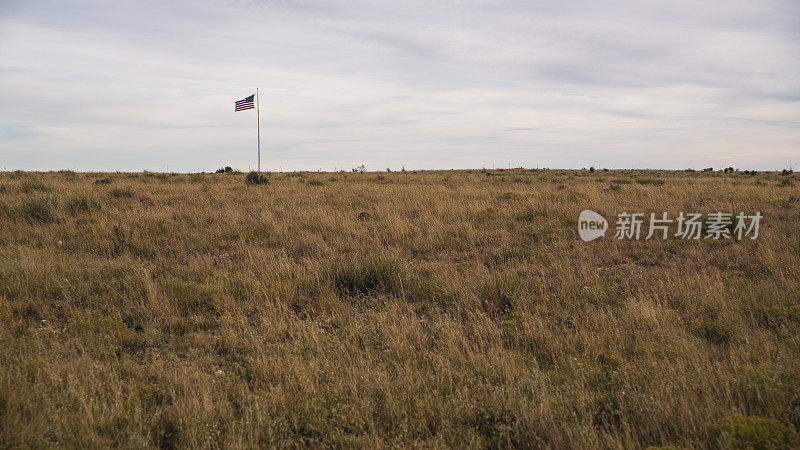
(133, 85)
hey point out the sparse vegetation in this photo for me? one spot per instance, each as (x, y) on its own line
(424, 309)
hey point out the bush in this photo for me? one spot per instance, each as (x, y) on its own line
(256, 178)
(315, 183)
(751, 432)
(226, 169)
(38, 210)
(366, 275)
(785, 172)
(104, 180)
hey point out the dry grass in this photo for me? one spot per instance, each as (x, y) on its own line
(426, 309)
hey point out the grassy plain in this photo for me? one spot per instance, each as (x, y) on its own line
(441, 308)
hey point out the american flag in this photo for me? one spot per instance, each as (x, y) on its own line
(245, 103)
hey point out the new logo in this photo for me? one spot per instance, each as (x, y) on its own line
(591, 225)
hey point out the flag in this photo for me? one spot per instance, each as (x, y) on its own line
(245, 103)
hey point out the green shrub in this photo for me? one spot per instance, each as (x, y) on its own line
(38, 210)
(751, 432)
(104, 180)
(256, 178)
(226, 169)
(366, 275)
(315, 183)
(715, 332)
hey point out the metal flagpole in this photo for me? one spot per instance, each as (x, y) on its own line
(258, 115)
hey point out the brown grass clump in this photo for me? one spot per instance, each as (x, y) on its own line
(394, 309)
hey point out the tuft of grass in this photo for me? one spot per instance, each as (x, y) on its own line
(38, 210)
(715, 332)
(30, 186)
(256, 178)
(650, 181)
(121, 192)
(104, 180)
(315, 183)
(500, 295)
(81, 204)
(366, 275)
(751, 432)
(509, 196)
(532, 214)
(775, 316)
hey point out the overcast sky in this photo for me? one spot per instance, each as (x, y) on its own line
(105, 85)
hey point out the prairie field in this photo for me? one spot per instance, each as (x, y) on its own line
(395, 309)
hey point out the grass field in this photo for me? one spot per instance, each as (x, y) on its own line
(437, 308)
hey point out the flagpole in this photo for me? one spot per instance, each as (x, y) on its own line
(258, 115)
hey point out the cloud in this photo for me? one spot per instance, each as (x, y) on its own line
(150, 85)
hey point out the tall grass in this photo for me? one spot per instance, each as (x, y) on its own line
(418, 309)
